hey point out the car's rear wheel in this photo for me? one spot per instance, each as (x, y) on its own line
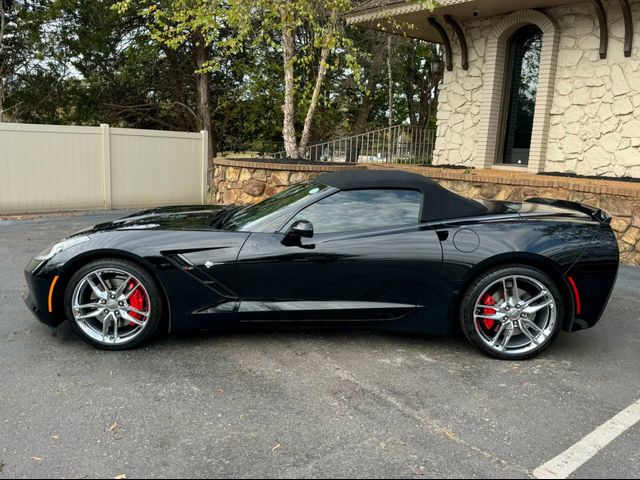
(512, 312)
(113, 304)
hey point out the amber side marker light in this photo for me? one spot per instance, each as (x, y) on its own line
(576, 294)
(53, 285)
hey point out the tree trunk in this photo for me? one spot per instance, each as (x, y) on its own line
(203, 93)
(390, 78)
(364, 110)
(2, 27)
(410, 84)
(288, 109)
(371, 89)
(306, 133)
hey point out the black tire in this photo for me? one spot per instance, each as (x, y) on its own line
(149, 283)
(484, 281)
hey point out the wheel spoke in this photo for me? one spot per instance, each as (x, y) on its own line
(542, 294)
(105, 327)
(130, 309)
(532, 325)
(490, 307)
(86, 316)
(120, 290)
(115, 328)
(528, 334)
(88, 305)
(516, 292)
(507, 338)
(98, 293)
(497, 316)
(497, 336)
(130, 292)
(537, 308)
(129, 318)
(505, 292)
(102, 282)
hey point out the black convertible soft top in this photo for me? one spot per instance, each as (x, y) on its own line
(438, 203)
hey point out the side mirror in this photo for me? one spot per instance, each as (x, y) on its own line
(299, 230)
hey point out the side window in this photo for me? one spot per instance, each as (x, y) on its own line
(362, 209)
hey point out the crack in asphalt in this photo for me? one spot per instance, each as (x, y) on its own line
(432, 425)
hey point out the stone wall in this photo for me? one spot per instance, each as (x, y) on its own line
(594, 119)
(241, 182)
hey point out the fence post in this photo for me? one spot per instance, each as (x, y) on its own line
(106, 164)
(205, 166)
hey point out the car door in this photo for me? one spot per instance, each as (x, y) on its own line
(369, 259)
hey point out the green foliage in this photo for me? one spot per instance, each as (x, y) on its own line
(130, 63)
(177, 22)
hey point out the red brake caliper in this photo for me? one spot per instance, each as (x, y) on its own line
(137, 301)
(488, 300)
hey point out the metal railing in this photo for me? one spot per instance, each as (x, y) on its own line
(399, 144)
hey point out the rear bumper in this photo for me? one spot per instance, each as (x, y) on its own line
(595, 275)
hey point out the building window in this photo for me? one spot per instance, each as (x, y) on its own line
(521, 82)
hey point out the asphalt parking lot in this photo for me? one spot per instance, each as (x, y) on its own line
(302, 403)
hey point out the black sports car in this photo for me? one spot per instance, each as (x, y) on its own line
(389, 249)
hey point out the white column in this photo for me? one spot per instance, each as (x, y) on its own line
(106, 165)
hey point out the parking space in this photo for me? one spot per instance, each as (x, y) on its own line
(302, 403)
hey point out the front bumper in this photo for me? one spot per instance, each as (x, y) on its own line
(37, 298)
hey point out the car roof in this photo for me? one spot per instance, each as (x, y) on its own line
(438, 203)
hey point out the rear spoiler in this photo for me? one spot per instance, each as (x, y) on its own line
(595, 213)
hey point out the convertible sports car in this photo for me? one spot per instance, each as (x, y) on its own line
(388, 249)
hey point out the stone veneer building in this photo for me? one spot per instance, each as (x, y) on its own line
(541, 85)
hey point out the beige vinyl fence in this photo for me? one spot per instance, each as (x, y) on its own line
(54, 168)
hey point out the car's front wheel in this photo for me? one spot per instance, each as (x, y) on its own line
(513, 312)
(113, 304)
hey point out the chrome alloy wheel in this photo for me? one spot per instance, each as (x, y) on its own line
(111, 306)
(515, 315)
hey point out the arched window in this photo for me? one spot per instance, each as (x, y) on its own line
(521, 86)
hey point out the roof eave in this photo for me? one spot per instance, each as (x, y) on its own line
(384, 12)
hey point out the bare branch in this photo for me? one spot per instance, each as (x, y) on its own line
(187, 108)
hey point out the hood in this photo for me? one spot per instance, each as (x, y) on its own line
(197, 217)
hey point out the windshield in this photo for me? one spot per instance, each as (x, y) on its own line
(246, 219)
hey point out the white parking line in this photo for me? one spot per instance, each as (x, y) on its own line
(574, 457)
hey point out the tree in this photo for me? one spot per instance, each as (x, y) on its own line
(29, 53)
(125, 77)
(196, 24)
(139, 64)
(418, 82)
(373, 65)
(279, 23)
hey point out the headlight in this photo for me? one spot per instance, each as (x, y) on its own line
(56, 248)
